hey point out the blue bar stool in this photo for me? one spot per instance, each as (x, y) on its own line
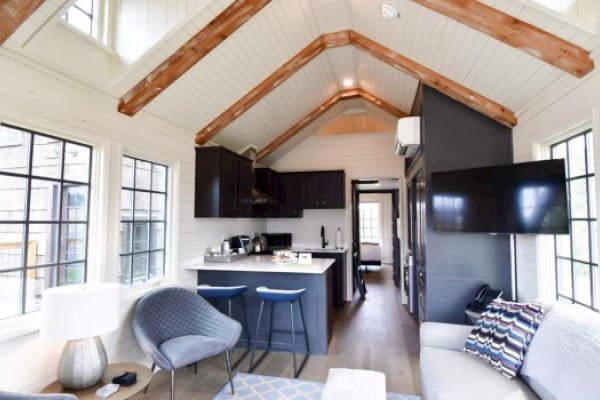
(229, 293)
(280, 296)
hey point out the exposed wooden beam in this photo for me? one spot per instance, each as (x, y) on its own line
(435, 80)
(13, 13)
(345, 38)
(317, 112)
(202, 43)
(261, 90)
(516, 33)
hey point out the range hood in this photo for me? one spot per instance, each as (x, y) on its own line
(260, 197)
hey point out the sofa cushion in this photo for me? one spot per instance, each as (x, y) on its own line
(563, 360)
(453, 375)
(503, 333)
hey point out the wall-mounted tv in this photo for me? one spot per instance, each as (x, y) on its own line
(519, 198)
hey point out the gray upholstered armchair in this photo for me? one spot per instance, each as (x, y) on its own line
(24, 396)
(176, 328)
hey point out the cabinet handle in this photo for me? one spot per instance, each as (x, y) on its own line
(317, 203)
(324, 202)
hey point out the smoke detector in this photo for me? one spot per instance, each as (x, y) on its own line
(388, 11)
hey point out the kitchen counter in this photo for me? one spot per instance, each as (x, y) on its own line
(307, 249)
(264, 263)
(255, 271)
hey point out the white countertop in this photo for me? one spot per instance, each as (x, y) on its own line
(264, 263)
(309, 249)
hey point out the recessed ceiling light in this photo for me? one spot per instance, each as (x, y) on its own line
(388, 11)
(348, 83)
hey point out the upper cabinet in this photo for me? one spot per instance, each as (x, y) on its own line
(290, 195)
(227, 187)
(324, 189)
(223, 184)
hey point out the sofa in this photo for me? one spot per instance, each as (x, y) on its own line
(562, 362)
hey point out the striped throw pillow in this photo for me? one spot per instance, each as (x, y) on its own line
(503, 333)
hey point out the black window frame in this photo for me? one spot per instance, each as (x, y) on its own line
(60, 222)
(133, 221)
(593, 266)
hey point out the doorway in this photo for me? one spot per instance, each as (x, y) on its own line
(375, 239)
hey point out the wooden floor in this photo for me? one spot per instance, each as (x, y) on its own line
(376, 334)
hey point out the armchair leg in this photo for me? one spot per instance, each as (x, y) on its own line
(172, 384)
(228, 359)
(152, 370)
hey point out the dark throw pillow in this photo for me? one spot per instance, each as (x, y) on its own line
(503, 333)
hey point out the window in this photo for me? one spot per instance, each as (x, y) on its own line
(369, 221)
(44, 208)
(81, 16)
(576, 255)
(143, 220)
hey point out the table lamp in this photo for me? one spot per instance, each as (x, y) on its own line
(80, 314)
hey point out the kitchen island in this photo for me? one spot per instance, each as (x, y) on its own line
(256, 271)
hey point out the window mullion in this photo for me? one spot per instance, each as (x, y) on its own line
(25, 245)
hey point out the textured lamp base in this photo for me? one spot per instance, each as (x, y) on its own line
(82, 363)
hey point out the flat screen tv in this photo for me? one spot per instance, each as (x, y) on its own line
(519, 198)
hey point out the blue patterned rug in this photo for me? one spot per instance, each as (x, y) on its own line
(259, 387)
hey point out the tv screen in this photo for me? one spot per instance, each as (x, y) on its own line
(518, 198)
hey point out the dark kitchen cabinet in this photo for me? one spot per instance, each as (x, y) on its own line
(290, 194)
(265, 203)
(324, 189)
(339, 268)
(223, 184)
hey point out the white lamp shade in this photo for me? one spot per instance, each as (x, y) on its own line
(80, 311)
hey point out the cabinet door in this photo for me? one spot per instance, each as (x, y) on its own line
(290, 195)
(229, 185)
(244, 193)
(312, 190)
(332, 189)
(338, 275)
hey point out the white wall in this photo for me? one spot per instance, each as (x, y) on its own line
(361, 156)
(558, 112)
(385, 204)
(38, 99)
(142, 23)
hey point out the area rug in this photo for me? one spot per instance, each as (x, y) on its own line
(259, 387)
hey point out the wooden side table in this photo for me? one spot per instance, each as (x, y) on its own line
(144, 375)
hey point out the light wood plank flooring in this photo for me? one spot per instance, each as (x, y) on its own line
(376, 334)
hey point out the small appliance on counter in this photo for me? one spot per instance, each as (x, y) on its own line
(241, 243)
(276, 241)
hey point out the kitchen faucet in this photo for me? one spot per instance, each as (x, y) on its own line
(324, 242)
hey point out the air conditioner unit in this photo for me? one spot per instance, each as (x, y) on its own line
(408, 136)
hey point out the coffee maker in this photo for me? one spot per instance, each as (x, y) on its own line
(241, 243)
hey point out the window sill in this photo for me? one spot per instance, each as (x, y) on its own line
(16, 327)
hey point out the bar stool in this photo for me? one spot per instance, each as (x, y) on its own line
(280, 296)
(229, 293)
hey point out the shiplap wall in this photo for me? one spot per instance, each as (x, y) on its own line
(38, 99)
(561, 110)
(361, 156)
(142, 23)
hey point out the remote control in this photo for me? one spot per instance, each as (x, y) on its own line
(106, 391)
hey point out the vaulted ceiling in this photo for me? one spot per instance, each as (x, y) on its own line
(237, 84)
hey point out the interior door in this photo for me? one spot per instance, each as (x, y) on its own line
(355, 233)
(395, 239)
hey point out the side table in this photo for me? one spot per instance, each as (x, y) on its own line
(144, 375)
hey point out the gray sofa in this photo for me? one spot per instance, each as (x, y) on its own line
(562, 363)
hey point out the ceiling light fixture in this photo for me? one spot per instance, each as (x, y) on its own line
(388, 11)
(348, 83)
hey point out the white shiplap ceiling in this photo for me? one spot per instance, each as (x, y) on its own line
(473, 59)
